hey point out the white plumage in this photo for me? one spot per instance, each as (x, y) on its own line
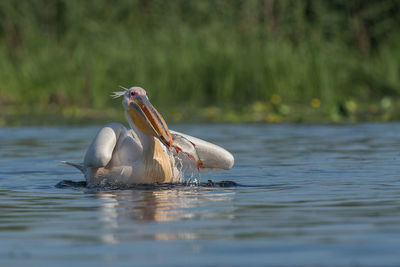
(125, 157)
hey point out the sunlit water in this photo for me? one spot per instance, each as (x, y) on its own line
(308, 195)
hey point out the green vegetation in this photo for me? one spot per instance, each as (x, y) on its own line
(219, 60)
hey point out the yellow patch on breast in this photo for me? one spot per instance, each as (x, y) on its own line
(157, 164)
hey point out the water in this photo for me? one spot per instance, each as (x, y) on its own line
(310, 195)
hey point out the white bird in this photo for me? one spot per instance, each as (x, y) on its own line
(144, 153)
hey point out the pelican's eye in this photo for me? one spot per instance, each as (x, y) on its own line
(132, 93)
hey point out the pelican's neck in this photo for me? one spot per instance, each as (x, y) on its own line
(147, 141)
(157, 163)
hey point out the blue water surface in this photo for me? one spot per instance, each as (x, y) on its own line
(308, 195)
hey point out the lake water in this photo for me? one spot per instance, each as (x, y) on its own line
(307, 195)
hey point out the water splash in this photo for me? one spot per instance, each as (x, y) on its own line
(186, 167)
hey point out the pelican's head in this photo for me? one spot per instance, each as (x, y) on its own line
(143, 115)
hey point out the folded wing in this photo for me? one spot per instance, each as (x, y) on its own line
(212, 156)
(101, 149)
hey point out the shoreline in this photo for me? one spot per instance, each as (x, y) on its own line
(258, 112)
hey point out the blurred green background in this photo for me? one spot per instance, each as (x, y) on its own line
(220, 60)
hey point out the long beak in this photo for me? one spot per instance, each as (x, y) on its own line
(148, 120)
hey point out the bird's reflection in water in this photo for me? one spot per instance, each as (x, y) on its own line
(109, 218)
(131, 209)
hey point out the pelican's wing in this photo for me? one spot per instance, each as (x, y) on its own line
(101, 149)
(212, 156)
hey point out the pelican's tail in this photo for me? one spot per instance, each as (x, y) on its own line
(76, 165)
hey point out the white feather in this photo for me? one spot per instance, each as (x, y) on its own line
(120, 93)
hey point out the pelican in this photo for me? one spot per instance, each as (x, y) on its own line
(147, 152)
